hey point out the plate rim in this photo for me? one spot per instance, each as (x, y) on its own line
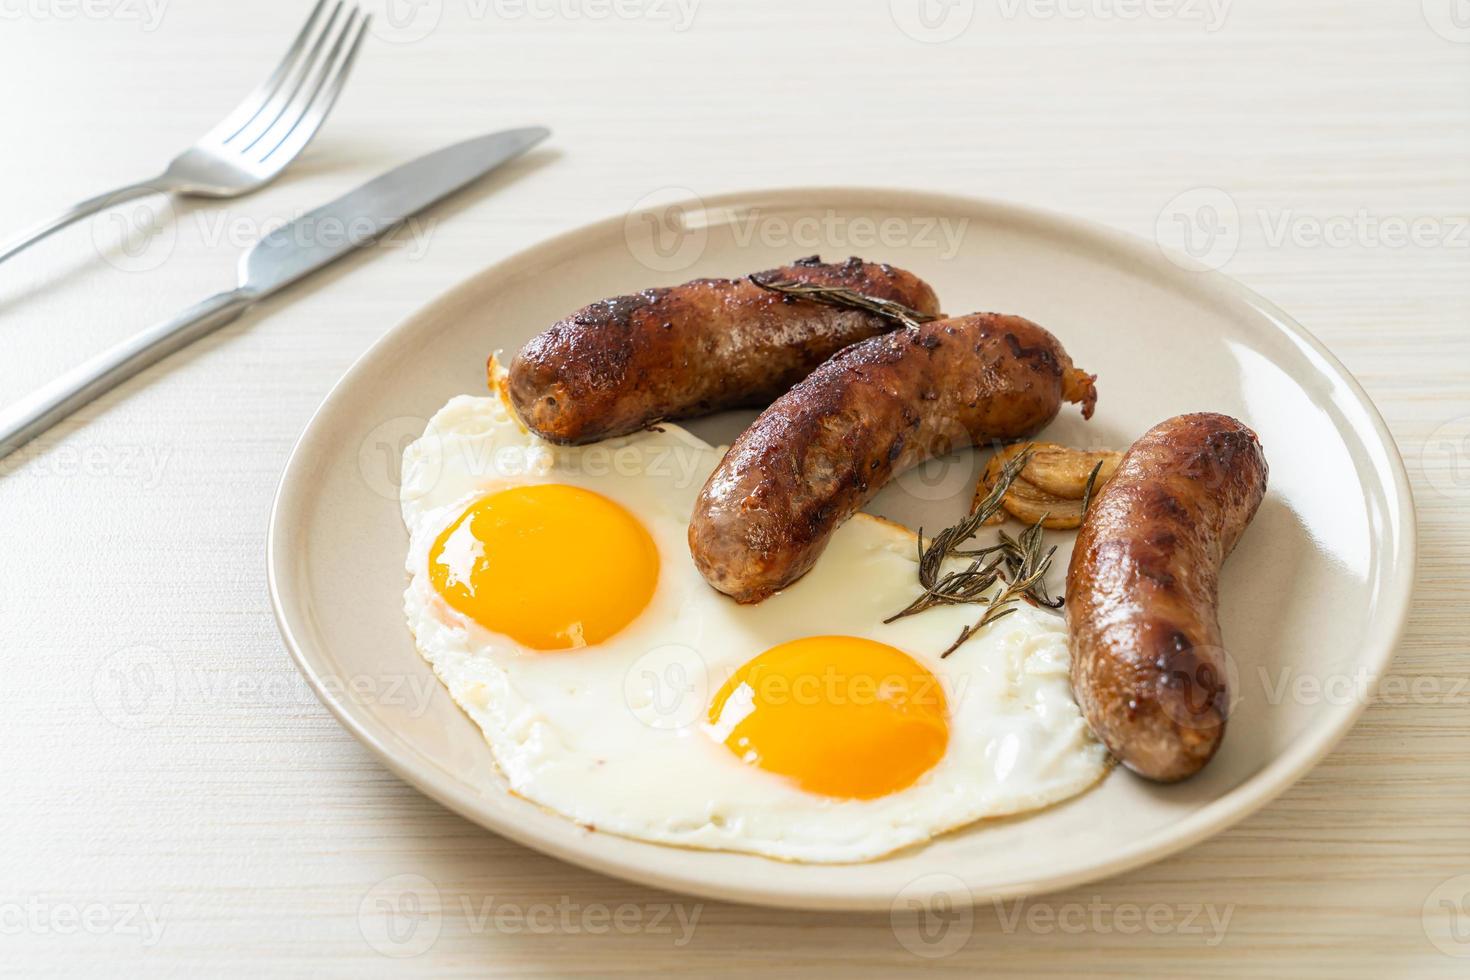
(1399, 563)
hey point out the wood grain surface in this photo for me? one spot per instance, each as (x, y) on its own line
(222, 820)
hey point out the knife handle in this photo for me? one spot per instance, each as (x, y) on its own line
(30, 416)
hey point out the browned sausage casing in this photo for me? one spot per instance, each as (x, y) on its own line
(622, 364)
(1148, 669)
(823, 449)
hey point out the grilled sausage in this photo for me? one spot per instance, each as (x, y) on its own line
(625, 363)
(823, 449)
(1148, 669)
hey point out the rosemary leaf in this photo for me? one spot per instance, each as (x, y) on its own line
(970, 631)
(1087, 490)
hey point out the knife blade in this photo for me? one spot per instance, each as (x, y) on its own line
(295, 250)
(324, 235)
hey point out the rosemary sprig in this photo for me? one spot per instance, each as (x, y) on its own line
(1026, 555)
(1027, 577)
(969, 584)
(955, 588)
(1020, 563)
(846, 298)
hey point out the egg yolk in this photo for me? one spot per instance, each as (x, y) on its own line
(551, 566)
(840, 716)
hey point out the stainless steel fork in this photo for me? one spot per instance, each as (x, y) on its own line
(260, 137)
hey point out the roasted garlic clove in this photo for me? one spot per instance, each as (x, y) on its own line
(1051, 486)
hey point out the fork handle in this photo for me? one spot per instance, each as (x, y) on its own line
(154, 185)
(34, 414)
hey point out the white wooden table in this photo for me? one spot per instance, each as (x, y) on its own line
(228, 822)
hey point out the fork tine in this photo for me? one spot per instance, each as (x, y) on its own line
(306, 66)
(315, 110)
(253, 104)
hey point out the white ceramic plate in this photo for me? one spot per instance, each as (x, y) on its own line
(1314, 598)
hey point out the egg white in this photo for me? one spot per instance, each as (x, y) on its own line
(615, 737)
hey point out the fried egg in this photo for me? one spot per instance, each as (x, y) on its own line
(552, 591)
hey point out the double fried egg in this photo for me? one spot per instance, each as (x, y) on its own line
(552, 591)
